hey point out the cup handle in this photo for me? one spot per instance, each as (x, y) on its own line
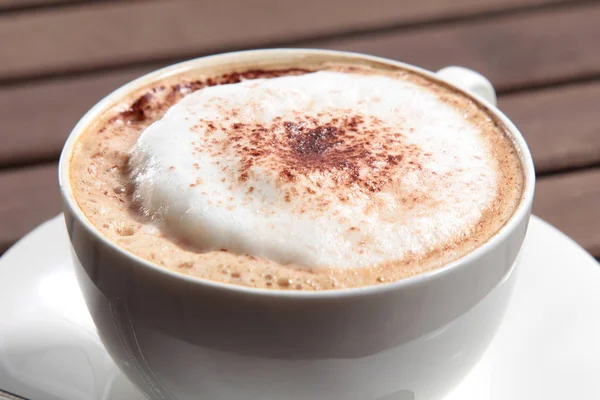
(470, 81)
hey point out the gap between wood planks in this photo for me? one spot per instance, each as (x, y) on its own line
(13, 7)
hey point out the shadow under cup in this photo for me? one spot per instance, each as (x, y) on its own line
(178, 337)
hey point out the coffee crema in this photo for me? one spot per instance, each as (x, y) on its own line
(316, 177)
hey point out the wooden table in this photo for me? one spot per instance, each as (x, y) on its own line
(59, 57)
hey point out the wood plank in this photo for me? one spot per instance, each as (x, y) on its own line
(100, 35)
(561, 125)
(570, 202)
(37, 118)
(515, 51)
(28, 197)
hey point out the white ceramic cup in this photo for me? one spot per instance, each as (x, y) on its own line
(180, 338)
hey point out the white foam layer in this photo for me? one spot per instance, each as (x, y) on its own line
(224, 169)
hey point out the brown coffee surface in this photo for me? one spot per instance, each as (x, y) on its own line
(102, 186)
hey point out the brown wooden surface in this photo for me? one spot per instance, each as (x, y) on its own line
(515, 51)
(29, 196)
(541, 55)
(108, 35)
(570, 202)
(561, 125)
(40, 138)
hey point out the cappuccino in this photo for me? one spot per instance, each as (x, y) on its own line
(310, 177)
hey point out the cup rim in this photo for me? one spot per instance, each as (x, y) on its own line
(521, 212)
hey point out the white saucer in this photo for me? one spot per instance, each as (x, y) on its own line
(547, 348)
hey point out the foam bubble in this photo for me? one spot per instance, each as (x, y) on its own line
(324, 169)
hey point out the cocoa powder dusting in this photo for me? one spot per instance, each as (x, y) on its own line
(346, 148)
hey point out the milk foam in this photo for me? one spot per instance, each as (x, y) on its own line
(326, 169)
